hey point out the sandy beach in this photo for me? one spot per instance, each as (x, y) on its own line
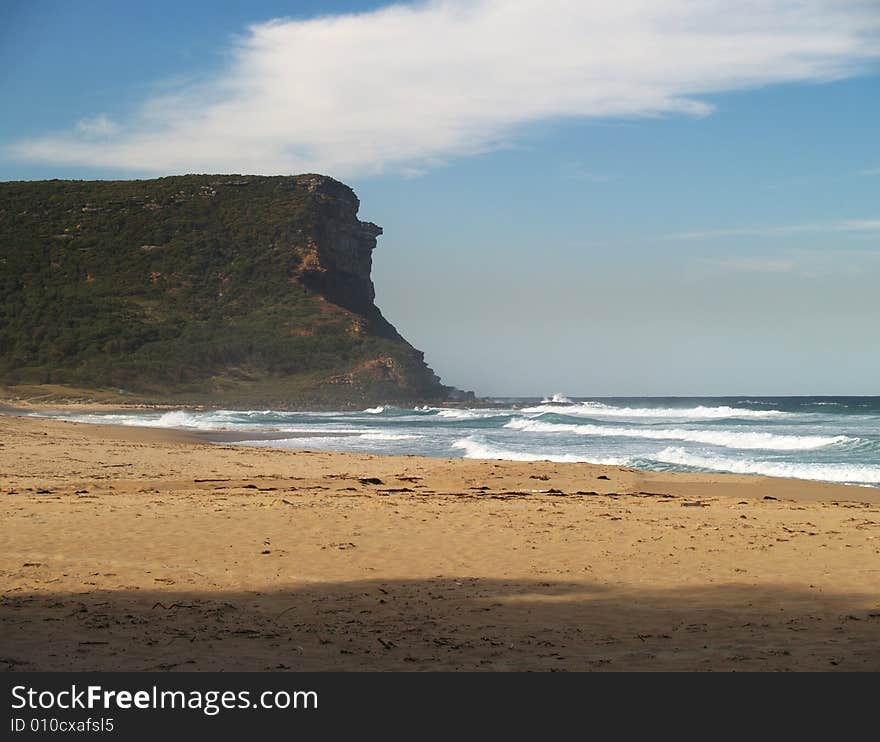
(148, 549)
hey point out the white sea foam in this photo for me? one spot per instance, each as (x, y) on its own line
(248, 413)
(597, 409)
(375, 410)
(457, 414)
(172, 419)
(316, 441)
(387, 436)
(724, 438)
(477, 449)
(848, 473)
(316, 429)
(183, 419)
(557, 398)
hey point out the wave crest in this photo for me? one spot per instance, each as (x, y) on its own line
(844, 473)
(598, 409)
(475, 448)
(723, 438)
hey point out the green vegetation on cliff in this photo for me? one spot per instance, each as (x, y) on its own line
(198, 288)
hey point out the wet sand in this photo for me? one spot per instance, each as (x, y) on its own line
(144, 549)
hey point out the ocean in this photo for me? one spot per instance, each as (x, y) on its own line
(831, 439)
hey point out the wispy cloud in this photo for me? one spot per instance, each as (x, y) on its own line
(97, 126)
(841, 225)
(794, 263)
(407, 86)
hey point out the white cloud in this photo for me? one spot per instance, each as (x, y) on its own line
(841, 225)
(97, 126)
(407, 86)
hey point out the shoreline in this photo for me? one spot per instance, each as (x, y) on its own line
(725, 484)
(219, 436)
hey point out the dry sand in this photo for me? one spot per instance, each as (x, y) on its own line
(140, 549)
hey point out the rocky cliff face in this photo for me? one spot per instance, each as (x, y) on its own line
(226, 289)
(338, 255)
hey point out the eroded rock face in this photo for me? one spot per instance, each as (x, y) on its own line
(338, 255)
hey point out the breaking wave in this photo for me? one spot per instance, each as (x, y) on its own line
(460, 414)
(387, 436)
(557, 398)
(845, 473)
(597, 409)
(474, 448)
(724, 438)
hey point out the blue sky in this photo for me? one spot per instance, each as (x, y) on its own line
(562, 211)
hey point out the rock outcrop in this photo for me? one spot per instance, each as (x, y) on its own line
(338, 255)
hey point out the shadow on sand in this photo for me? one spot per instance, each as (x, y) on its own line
(454, 623)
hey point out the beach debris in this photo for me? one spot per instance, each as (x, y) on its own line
(770, 497)
(604, 476)
(172, 606)
(370, 480)
(695, 504)
(542, 477)
(386, 644)
(281, 501)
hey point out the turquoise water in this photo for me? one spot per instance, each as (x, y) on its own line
(834, 439)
